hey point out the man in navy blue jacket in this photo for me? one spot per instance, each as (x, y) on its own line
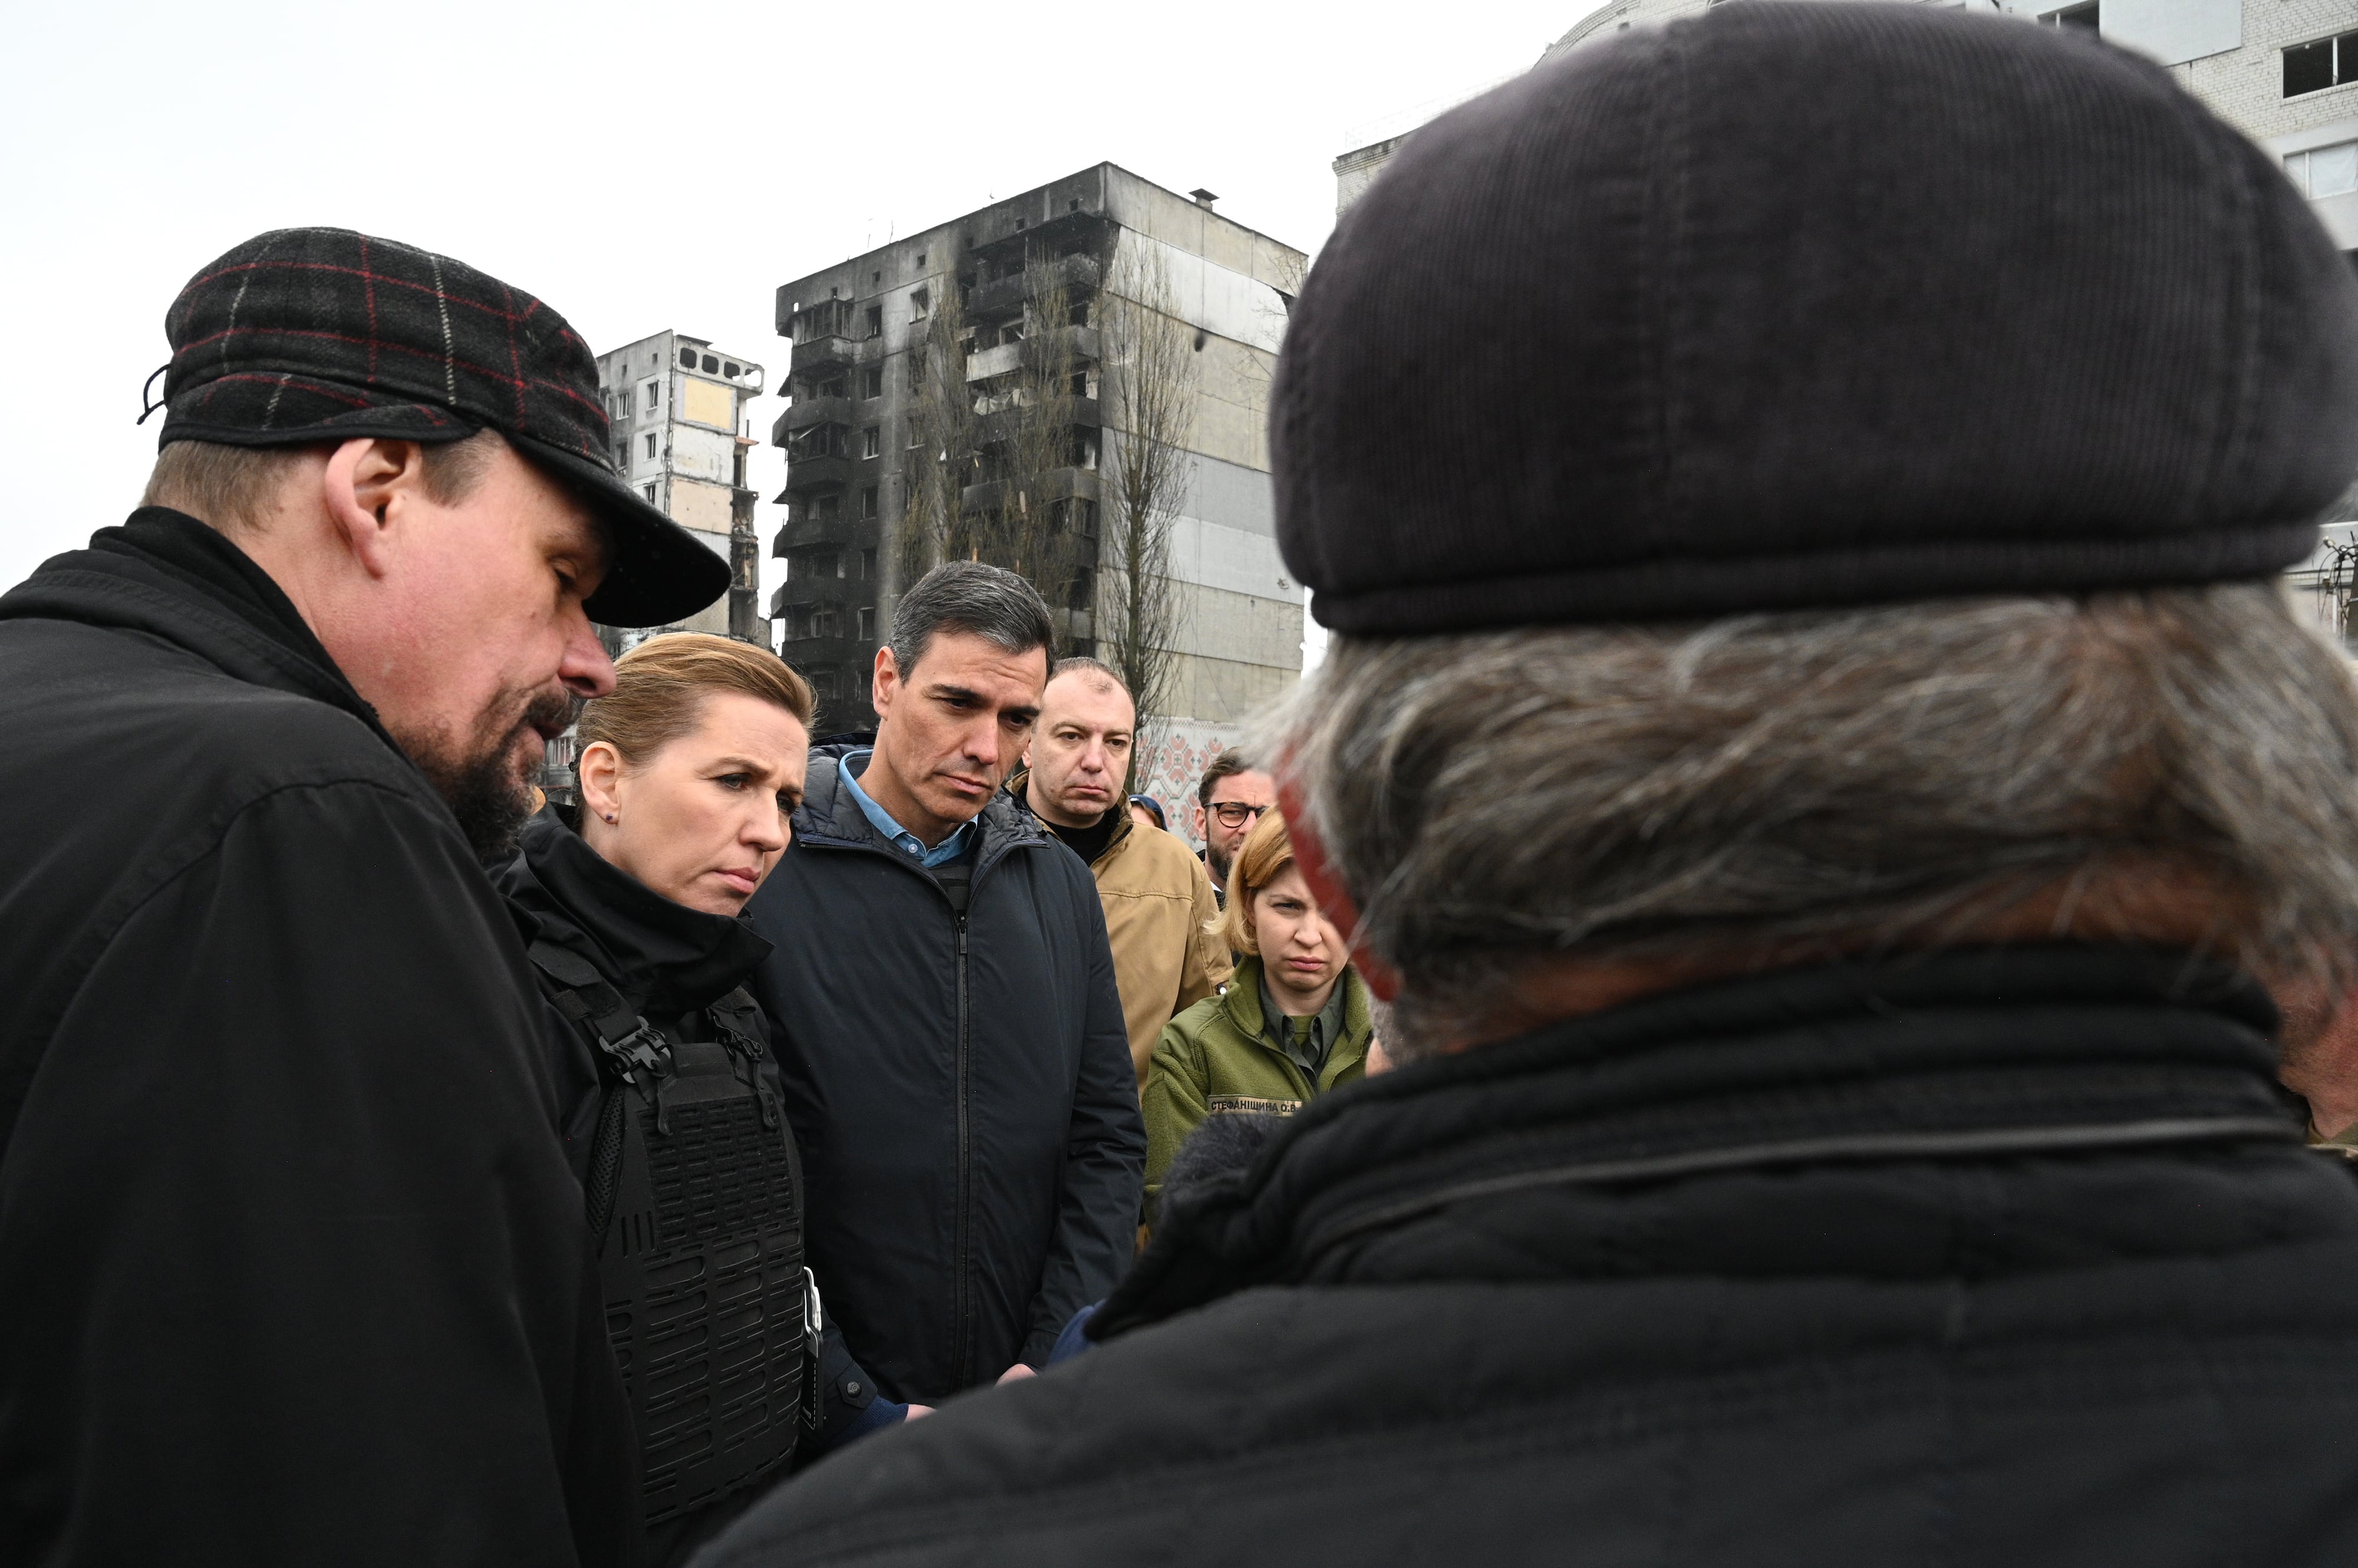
(948, 1023)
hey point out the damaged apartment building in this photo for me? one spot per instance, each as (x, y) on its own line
(676, 408)
(978, 389)
(675, 413)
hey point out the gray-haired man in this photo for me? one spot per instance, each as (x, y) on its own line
(949, 1031)
(1824, 769)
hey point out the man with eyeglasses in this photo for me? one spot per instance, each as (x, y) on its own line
(1227, 803)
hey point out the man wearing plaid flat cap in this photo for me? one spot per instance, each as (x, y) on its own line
(292, 1264)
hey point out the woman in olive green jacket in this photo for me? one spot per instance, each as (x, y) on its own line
(1292, 1023)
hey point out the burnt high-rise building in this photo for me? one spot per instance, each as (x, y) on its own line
(957, 393)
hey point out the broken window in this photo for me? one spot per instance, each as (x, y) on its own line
(651, 447)
(2328, 62)
(867, 623)
(711, 363)
(832, 388)
(650, 396)
(868, 501)
(876, 320)
(868, 565)
(730, 369)
(871, 441)
(1080, 316)
(871, 381)
(825, 623)
(831, 508)
(649, 491)
(921, 303)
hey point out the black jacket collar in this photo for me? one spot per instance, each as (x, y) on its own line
(1976, 1046)
(164, 573)
(665, 957)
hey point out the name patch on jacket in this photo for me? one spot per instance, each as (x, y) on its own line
(1244, 1105)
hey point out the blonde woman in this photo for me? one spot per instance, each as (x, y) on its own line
(1294, 1022)
(672, 1109)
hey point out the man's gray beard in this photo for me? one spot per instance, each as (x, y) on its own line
(488, 800)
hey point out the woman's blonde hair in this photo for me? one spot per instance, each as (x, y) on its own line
(660, 687)
(1267, 850)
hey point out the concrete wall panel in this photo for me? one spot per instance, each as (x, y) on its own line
(1233, 559)
(1228, 691)
(703, 454)
(1230, 494)
(1216, 298)
(1217, 624)
(703, 507)
(707, 403)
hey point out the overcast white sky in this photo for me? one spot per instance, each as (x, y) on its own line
(638, 166)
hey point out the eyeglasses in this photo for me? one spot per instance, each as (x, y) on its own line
(1235, 812)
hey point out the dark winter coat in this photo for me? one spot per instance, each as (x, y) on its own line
(960, 1085)
(292, 1270)
(668, 963)
(1992, 1259)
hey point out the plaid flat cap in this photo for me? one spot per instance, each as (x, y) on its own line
(305, 335)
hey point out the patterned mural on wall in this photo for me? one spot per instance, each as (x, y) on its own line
(1182, 748)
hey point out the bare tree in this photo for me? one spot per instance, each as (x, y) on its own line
(1148, 391)
(1035, 442)
(941, 458)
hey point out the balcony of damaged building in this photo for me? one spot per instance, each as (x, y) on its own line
(999, 488)
(834, 335)
(1024, 242)
(818, 454)
(992, 300)
(824, 613)
(1018, 346)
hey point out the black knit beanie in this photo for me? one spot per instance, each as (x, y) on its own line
(1802, 304)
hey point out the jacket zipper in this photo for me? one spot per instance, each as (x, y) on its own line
(964, 1295)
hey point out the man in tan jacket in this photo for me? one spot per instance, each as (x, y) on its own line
(1158, 902)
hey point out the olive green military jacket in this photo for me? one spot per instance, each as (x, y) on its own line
(1215, 1058)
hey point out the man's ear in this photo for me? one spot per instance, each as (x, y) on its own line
(883, 683)
(369, 484)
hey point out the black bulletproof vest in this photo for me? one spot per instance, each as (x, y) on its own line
(695, 1194)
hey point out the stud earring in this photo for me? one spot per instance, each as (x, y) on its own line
(611, 819)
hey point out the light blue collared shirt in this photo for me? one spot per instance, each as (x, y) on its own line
(900, 838)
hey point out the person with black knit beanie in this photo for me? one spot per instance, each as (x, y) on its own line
(1816, 756)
